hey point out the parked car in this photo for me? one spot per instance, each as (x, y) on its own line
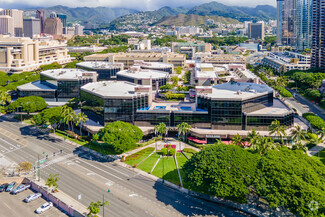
(32, 197)
(11, 186)
(20, 188)
(44, 207)
(3, 187)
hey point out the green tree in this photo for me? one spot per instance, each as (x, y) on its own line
(175, 80)
(278, 130)
(82, 118)
(183, 129)
(161, 128)
(28, 104)
(297, 134)
(52, 116)
(52, 181)
(121, 136)
(237, 140)
(94, 209)
(222, 170)
(264, 145)
(69, 116)
(253, 137)
(178, 70)
(4, 99)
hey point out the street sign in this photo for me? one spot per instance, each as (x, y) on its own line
(108, 190)
(42, 161)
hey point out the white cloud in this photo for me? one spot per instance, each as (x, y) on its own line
(137, 4)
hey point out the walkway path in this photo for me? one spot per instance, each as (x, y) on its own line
(313, 151)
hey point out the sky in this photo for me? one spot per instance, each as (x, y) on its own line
(135, 4)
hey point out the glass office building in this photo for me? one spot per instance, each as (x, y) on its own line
(58, 84)
(237, 106)
(105, 70)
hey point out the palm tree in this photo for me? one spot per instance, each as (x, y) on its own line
(278, 130)
(253, 137)
(69, 116)
(264, 145)
(300, 146)
(52, 181)
(81, 118)
(313, 139)
(321, 133)
(237, 140)
(161, 129)
(297, 134)
(4, 99)
(183, 129)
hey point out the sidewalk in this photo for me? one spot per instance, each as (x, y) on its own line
(76, 205)
(313, 151)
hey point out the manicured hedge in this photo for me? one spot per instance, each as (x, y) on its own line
(283, 92)
(314, 120)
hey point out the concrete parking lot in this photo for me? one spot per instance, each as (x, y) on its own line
(14, 206)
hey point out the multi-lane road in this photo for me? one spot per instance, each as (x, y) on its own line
(80, 173)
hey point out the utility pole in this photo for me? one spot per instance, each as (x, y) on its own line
(39, 170)
(163, 169)
(103, 206)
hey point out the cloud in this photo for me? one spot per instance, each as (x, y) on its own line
(136, 4)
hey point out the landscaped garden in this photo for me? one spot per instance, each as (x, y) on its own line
(160, 164)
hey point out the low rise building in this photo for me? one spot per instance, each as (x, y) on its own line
(105, 70)
(229, 106)
(286, 61)
(220, 59)
(190, 48)
(58, 84)
(25, 54)
(128, 58)
(165, 67)
(140, 76)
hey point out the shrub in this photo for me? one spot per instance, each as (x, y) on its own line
(28, 104)
(314, 120)
(164, 151)
(189, 150)
(314, 95)
(283, 92)
(171, 151)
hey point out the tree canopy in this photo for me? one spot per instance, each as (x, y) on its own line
(120, 135)
(28, 104)
(283, 177)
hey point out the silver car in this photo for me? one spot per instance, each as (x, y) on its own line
(32, 197)
(20, 188)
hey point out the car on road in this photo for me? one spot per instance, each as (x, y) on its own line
(10, 186)
(3, 187)
(20, 188)
(44, 207)
(32, 197)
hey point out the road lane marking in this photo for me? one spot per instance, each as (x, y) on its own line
(101, 169)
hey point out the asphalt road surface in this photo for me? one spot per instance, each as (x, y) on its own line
(80, 173)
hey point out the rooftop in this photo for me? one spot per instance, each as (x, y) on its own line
(152, 64)
(237, 91)
(278, 108)
(184, 107)
(136, 72)
(68, 74)
(100, 65)
(112, 89)
(207, 70)
(35, 86)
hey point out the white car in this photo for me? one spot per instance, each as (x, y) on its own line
(20, 188)
(32, 197)
(44, 207)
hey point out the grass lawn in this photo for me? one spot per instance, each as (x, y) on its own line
(170, 170)
(64, 135)
(105, 150)
(148, 164)
(181, 160)
(321, 155)
(139, 156)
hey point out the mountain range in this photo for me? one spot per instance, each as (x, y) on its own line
(122, 16)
